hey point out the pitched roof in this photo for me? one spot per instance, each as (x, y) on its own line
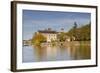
(47, 31)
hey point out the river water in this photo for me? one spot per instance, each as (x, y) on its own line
(55, 53)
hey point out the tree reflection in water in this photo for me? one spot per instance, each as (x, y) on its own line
(59, 53)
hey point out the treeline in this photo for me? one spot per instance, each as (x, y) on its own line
(82, 33)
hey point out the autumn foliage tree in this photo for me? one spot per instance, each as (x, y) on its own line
(38, 38)
(82, 33)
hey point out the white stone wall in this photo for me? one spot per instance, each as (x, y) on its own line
(50, 36)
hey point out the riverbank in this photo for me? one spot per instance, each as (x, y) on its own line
(71, 43)
(66, 43)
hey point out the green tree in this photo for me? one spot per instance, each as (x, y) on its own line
(75, 34)
(73, 31)
(75, 25)
(62, 37)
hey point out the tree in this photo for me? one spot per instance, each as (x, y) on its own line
(82, 33)
(62, 37)
(74, 29)
(75, 25)
(38, 38)
(73, 32)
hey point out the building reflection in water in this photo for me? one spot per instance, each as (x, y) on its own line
(50, 53)
(57, 53)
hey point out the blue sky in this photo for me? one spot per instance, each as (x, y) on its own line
(39, 20)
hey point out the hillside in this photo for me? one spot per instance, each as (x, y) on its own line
(82, 33)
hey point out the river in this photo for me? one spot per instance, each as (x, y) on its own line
(55, 53)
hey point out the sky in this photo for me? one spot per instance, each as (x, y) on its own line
(33, 20)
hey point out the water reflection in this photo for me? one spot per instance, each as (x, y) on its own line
(56, 53)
